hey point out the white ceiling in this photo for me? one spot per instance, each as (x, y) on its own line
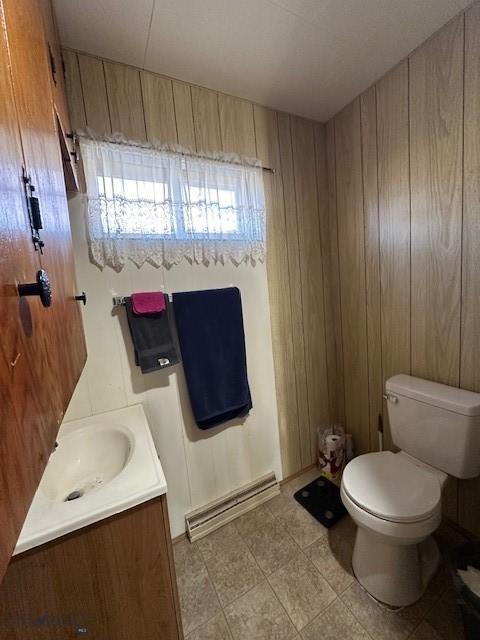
(309, 57)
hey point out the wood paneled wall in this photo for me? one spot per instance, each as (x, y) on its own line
(114, 98)
(404, 189)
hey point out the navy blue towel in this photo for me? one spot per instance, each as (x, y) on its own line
(212, 342)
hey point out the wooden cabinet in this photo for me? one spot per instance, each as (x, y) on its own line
(114, 580)
(42, 349)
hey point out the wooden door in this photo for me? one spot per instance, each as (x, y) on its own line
(21, 421)
(42, 350)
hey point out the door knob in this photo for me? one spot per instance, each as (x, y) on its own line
(82, 297)
(39, 288)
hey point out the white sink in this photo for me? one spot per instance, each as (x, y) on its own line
(104, 464)
(86, 460)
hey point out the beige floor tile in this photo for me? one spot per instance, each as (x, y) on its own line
(380, 623)
(302, 591)
(303, 528)
(252, 521)
(335, 623)
(187, 556)
(214, 629)
(438, 585)
(198, 600)
(258, 615)
(445, 617)
(424, 632)
(221, 539)
(333, 563)
(297, 483)
(271, 545)
(230, 564)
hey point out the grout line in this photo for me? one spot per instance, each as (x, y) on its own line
(365, 279)
(409, 151)
(149, 31)
(379, 273)
(302, 303)
(339, 272)
(282, 172)
(462, 227)
(107, 97)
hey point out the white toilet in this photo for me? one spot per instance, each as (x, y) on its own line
(396, 498)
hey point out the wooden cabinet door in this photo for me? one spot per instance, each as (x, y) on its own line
(42, 350)
(23, 421)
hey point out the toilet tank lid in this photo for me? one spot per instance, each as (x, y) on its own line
(439, 395)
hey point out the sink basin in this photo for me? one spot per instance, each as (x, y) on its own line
(103, 465)
(86, 460)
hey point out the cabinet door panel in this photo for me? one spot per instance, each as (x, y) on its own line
(23, 419)
(62, 326)
(42, 349)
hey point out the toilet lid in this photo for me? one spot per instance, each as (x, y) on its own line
(390, 487)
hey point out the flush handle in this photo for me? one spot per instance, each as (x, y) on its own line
(390, 397)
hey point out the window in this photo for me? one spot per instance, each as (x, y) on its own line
(163, 206)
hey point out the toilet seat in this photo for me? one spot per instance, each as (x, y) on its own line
(390, 487)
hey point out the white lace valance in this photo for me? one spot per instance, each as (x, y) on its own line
(158, 205)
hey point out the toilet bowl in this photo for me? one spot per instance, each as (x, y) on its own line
(395, 502)
(396, 498)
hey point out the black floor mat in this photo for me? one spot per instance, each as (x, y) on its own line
(321, 498)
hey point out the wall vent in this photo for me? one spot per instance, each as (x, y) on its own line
(214, 515)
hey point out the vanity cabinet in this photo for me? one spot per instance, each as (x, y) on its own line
(42, 349)
(114, 580)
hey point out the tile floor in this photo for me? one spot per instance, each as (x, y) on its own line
(277, 574)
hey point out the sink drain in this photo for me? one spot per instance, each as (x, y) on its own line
(73, 495)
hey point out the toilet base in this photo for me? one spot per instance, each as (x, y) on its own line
(395, 574)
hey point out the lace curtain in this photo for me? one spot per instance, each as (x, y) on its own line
(155, 205)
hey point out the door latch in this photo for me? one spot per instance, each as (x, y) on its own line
(34, 212)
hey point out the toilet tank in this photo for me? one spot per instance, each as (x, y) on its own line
(435, 423)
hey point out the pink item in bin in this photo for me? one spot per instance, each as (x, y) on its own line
(148, 302)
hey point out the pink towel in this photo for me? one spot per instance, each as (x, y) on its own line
(148, 302)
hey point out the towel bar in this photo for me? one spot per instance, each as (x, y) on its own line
(119, 301)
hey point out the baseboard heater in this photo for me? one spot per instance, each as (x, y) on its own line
(214, 515)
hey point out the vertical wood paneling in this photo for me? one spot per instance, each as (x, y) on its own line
(157, 93)
(436, 90)
(183, 114)
(368, 112)
(333, 315)
(211, 122)
(311, 273)
(125, 100)
(394, 224)
(469, 490)
(236, 125)
(352, 272)
(436, 154)
(291, 243)
(94, 94)
(268, 151)
(74, 90)
(206, 120)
